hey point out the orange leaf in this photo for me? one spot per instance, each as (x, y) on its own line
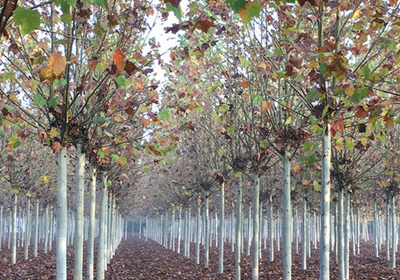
(297, 169)
(145, 122)
(203, 25)
(266, 105)
(244, 84)
(130, 68)
(56, 146)
(57, 63)
(119, 59)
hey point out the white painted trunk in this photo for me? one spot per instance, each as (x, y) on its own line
(1, 226)
(238, 243)
(221, 230)
(79, 204)
(35, 249)
(102, 230)
(92, 223)
(304, 236)
(14, 230)
(341, 248)
(256, 228)
(347, 235)
(62, 214)
(46, 232)
(51, 233)
(287, 218)
(271, 229)
(179, 230)
(325, 203)
(206, 231)
(376, 241)
(198, 226)
(394, 231)
(28, 228)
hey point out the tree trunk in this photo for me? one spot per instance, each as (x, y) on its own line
(102, 230)
(206, 231)
(304, 235)
(341, 248)
(387, 214)
(256, 228)
(28, 229)
(238, 243)
(198, 226)
(325, 202)
(394, 231)
(271, 230)
(376, 241)
(287, 218)
(92, 222)
(35, 250)
(62, 215)
(46, 230)
(221, 231)
(14, 230)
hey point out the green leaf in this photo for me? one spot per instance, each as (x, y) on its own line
(231, 130)
(146, 170)
(177, 11)
(258, 98)
(28, 19)
(8, 76)
(52, 102)
(325, 110)
(349, 143)
(100, 3)
(252, 9)
(236, 4)
(121, 81)
(311, 160)
(307, 147)
(16, 144)
(101, 153)
(164, 114)
(66, 18)
(109, 184)
(224, 108)
(39, 100)
(115, 157)
(264, 143)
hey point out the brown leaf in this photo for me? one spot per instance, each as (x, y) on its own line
(130, 111)
(174, 3)
(130, 68)
(119, 59)
(203, 25)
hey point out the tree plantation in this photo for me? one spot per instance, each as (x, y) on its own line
(199, 139)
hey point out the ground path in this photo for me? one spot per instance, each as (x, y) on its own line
(138, 259)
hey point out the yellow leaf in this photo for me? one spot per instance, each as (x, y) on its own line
(364, 141)
(349, 89)
(53, 132)
(357, 13)
(313, 64)
(14, 98)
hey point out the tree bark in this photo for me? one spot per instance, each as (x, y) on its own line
(198, 226)
(287, 218)
(304, 235)
(341, 248)
(256, 228)
(206, 231)
(325, 202)
(376, 241)
(92, 222)
(62, 215)
(102, 230)
(221, 231)
(27, 230)
(271, 229)
(394, 231)
(14, 230)
(238, 243)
